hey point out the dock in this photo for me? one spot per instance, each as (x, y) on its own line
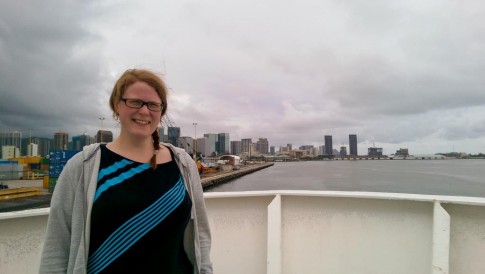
(28, 194)
(218, 178)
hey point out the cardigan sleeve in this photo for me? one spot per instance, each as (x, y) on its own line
(57, 243)
(202, 221)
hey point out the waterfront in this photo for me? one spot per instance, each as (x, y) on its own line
(437, 177)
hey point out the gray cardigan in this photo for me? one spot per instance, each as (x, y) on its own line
(66, 244)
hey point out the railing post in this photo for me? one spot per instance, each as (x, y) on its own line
(274, 237)
(441, 240)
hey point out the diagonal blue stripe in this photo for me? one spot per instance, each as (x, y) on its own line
(113, 168)
(130, 232)
(123, 176)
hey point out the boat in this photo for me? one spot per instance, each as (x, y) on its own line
(310, 232)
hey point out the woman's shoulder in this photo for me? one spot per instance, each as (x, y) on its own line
(89, 151)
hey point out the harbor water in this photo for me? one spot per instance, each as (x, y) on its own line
(435, 177)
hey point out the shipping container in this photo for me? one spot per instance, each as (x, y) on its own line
(61, 155)
(57, 161)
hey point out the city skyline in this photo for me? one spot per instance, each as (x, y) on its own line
(335, 146)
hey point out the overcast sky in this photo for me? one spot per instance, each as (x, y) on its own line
(399, 74)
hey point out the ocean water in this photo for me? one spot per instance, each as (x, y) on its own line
(436, 177)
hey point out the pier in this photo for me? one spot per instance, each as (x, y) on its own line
(218, 178)
(28, 194)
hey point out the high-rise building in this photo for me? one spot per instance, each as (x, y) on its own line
(161, 132)
(223, 144)
(11, 139)
(245, 144)
(203, 146)
(61, 140)
(289, 146)
(343, 151)
(43, 145)
(328, 145)
(25, 146)
(374, 151)
(163, 136)
(353, 144)
(321, 150)
(80, 141)
(213, 142)
(104, 136)
(236, 147)
(252, 152)
(272, 150)
(262, 146)
(173, 135)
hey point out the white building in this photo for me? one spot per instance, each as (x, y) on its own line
(10, 152)
(32, 150)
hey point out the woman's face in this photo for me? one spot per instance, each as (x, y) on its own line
(140, 122)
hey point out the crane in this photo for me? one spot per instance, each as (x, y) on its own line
(168, 121)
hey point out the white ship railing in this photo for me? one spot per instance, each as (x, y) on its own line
(311, 232)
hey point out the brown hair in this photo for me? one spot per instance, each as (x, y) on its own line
(130, 77)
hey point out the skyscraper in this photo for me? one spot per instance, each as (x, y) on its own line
(173, 135)
(213, 142)
(262, 146)
(328, 145)
(161, 133)
(353, 144)
(61, 140)
(223, 145)
(203, 146)
(44, 145)
(236, 147)
(245, 144)
(80, 141)
(104, 136)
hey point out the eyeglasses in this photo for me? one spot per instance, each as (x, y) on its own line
(135, 103)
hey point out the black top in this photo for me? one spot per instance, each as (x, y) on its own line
(138, 218)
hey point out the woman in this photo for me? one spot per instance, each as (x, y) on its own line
(132, 205)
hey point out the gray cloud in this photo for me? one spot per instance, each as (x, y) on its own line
(395, 73)
(48, 71)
